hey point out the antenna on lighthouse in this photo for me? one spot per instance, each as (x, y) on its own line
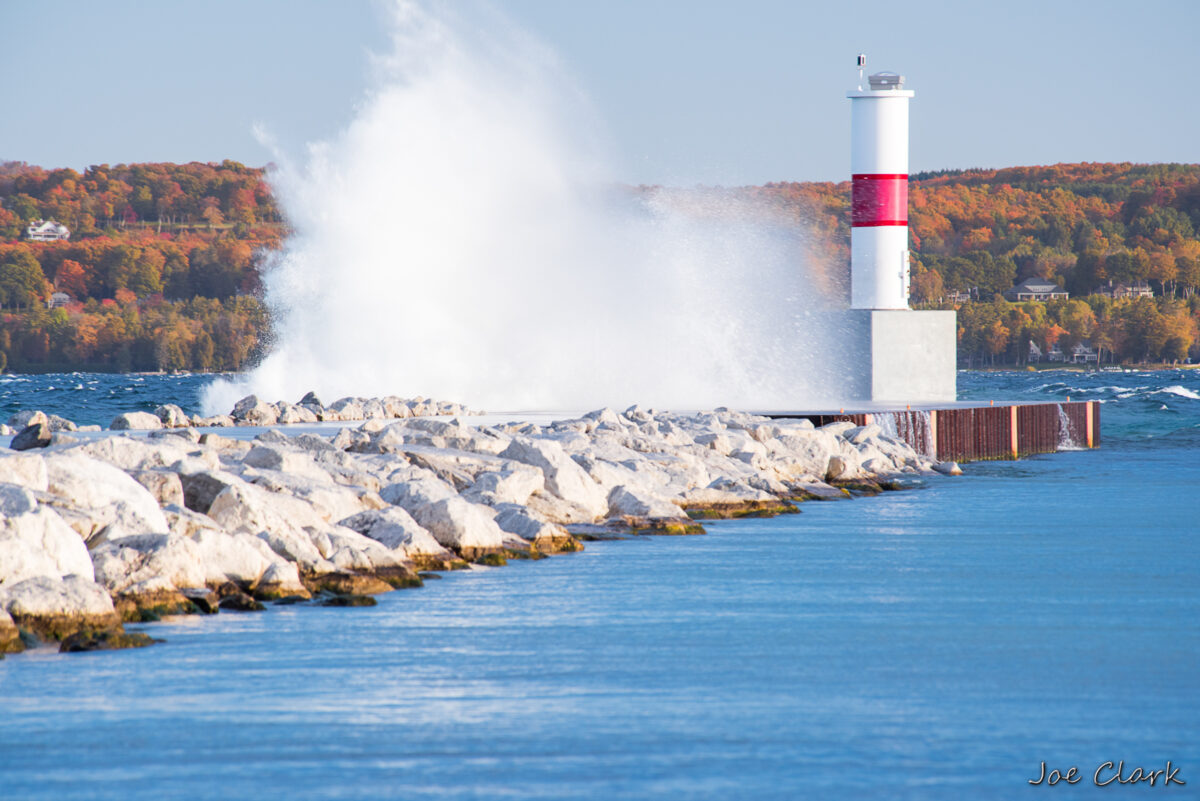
(862, 64)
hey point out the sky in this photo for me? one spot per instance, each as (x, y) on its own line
(691, 92)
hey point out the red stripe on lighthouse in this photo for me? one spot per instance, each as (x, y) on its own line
(878, 200)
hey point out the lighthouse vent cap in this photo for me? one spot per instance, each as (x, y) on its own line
(886, 80)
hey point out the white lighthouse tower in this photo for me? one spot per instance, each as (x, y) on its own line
(900, 355)
(879, 172)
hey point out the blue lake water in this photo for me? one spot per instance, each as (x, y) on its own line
(937, 643)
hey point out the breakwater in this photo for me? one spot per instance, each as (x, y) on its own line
(106, 530)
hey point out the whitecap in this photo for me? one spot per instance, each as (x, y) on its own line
(1176, 389)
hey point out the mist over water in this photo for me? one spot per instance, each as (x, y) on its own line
(467, 238)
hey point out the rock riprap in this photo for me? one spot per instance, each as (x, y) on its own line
(131, 527)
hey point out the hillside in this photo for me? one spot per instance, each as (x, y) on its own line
(161, 270)
(162, 267)
(1086, 227)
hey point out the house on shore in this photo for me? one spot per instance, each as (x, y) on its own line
(47, 231)
(58, 300)
(1138, 289)
(1055, 354)
(1083, 353)
(1036, 289)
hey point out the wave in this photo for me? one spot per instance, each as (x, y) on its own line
(1176, 389)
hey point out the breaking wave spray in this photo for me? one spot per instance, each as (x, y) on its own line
(464, 239)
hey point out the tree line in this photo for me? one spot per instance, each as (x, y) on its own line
(164, 259)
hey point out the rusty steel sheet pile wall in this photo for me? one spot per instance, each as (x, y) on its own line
(985, 432)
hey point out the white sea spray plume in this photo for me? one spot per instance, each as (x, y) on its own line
(464, 239)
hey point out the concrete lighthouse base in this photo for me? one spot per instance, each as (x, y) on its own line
(903, 356)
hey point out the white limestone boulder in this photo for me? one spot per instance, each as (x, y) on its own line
(564, 478)
(460, 525)
(239, 557)
(34, 540)
(109, 494)
(163, 485)
(55, 608)
(283, 458)
(26, 469)
(412, 494)
(396, 529)
(506, 486)
(280, 580)
(524, 523)
(135, 421)
(632, 502)
(136, 453)
(172, 416)
(250, 411)
(170, 560)
(289, 413)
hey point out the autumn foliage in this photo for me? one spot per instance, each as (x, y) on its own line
(1087, 227)
(163, 266)
(161, 270)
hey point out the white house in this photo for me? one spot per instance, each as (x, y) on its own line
(1036, 289)
(58, 300)
(47, 231)
(1082, 354)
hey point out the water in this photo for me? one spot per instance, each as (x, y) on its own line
(938, 643)
(96, 398)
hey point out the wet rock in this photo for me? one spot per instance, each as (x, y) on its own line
(820, 491)
(349, 584)
(206, 601)
(53, 608)
(948, 468)
(10, 635)
(280, 580)
(105, 640)
(350, 601)
(240, 602)
(151, 602)
(37, 435)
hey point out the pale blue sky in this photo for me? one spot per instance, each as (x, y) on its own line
(691, 92)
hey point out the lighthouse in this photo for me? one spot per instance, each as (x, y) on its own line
(879, 192)
(898, 354)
